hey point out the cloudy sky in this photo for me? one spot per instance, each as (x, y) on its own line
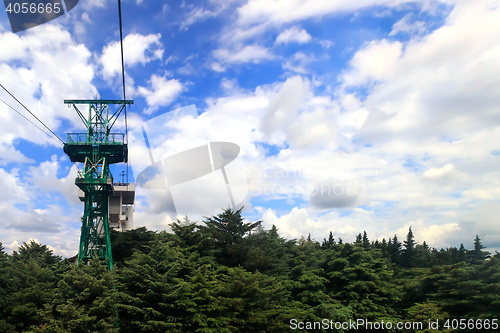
(371, 115)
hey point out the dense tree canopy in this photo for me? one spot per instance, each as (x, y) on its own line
(228, 275)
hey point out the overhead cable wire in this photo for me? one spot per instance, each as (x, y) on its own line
(50, 136)
(41, 122)
(19, 113)
(123, 74)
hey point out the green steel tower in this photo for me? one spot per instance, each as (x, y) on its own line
(96, 149)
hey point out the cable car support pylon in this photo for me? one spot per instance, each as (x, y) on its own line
(97, 149)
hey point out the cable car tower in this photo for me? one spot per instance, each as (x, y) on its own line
(97, 149)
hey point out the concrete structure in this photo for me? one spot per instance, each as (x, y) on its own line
(120, 206)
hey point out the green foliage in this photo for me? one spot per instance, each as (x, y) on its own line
(409, 252)
(227, 232)
(394, 247)
(478, 255)
(148, 288)
(2, 251)
(125, 243)
(362, 280)
(84, 301)
(366, 242)
(268, 253)
(7, 287)
(227, 275)
(38, 252)
(423, 312)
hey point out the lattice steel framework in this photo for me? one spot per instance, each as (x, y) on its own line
(96, 149)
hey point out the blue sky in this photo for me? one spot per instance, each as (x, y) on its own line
(351, 115)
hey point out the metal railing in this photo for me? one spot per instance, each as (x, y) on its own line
(98, 138)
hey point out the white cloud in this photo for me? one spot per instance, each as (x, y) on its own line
(47, 68)
(86, 18)
(373, 63)
(249, 53)
(464, 228)
(296, 224)
(137, 48)
(438, 172)
(91, 4)
(162, 92)
(20, 218)
(418, 167)
(197, 14)
(255, 16)
(293, 35)
(326, 43)
(41, 67)
(298, 62)
(229, 85)
(170, 59)
(151, 221)
(217, 67)
(414, 123)
(9, 154)
(284, 11)
(404, 25)
(439, 85)
(296, 118)
(235, 119)
(45, 177)
(336, 193)
(186, 70)
(13, 189)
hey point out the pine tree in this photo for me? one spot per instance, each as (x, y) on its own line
(361, 280)
(384, 247)
(324, 245)
(267, 253)
(478, 255)
(359, 239)
(394, 249)
(422, 256)
(125, 243)
(83, 301)
(408, 255)
(328, 243)
(462, 253)
(227, 232)
(38, 252)
(152, 297)
(331, 240)
(252, 302)
(2, 251)
(366, 242)
(228, 227)
(485, 281)
(34, 276)
(6, 290)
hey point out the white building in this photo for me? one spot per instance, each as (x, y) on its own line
(121, 206)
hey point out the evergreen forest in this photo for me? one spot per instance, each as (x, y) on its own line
(228, 275)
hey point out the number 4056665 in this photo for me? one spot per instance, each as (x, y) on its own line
(477, 324)
(33, 8)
